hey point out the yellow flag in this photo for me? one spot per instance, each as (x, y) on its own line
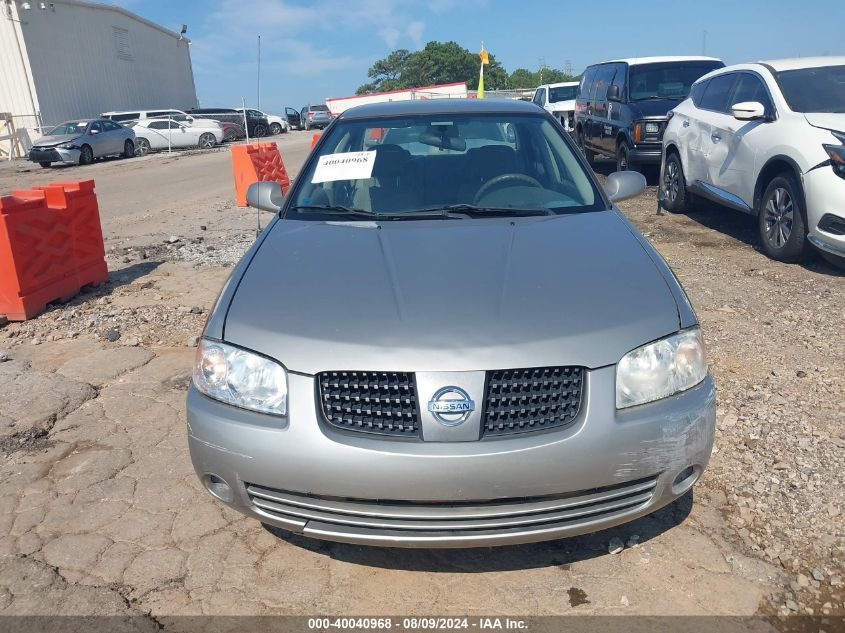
(485, 58)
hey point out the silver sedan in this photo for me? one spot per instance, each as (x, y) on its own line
(80, 142)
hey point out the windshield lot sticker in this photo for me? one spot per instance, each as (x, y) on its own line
(346, 166)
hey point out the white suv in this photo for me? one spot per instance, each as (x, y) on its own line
(768, 139)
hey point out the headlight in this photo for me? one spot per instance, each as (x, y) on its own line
(836, 153)
(660, 369)
(652, 128)
(241, 378)
(66, 146)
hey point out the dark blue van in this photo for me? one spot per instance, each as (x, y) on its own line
(623, 105)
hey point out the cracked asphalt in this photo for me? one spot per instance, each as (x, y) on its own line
(102, 513)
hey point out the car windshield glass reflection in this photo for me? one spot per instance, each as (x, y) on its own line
(464, 164)
(666, 81)
(814, 89)
(562, 93)
(69, 128)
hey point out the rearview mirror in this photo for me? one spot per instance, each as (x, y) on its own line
(265, 195)
(613, 93)
(622, 185)
(748, 110)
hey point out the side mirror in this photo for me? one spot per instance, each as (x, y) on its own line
(613, 93)
(748, 111)
(510, 133)
(265, 195)
(622, 185)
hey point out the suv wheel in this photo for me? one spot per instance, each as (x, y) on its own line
(623, 163)
(780, 219)
(675, 197)
(307, 127)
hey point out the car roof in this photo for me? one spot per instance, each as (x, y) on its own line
(560, 84)
(636, 61)
(794, 63)
(441, 106)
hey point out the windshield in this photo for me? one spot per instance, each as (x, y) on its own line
(563, 93)
(404, 165)
(69, 128)
(814, 89)
(666, 80)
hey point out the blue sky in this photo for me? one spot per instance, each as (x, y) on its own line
(322, 48)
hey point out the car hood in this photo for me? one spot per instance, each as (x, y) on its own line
(653, 107)
(51, 141)
(562, 106)
(450, 295)
(826, 120)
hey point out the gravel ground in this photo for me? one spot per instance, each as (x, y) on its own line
(765, 533)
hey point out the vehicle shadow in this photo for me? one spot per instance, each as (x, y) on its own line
(743, 228)
(560, 553)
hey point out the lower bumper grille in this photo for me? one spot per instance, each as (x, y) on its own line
(44, 155)
(480, 518)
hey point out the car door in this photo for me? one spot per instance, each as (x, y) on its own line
(688, 125)
(744, 140)
(611, 110)
(710, 128)
(293, 117)
(598, 117)
(118, 135)
(98, 141)
(157, 134)
(583, 103)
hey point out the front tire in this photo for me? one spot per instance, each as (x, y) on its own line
(307, 127)
(142, 147)
(780, 220)
(45, 164)
(623, 162)
(128, 149)
(207, 141)
(86, 155)
(275, 129)
(675, 197)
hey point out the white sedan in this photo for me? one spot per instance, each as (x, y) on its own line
(152, 134)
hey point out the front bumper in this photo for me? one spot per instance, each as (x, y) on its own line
(824, 193)
(646, 153)
(607, 468)
(54, 155)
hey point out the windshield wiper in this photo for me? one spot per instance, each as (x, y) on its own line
(364, 213)
(659, 98)
(334, 208)
(480, 211)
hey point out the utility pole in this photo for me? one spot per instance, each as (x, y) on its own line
(542, 62)
(258, 103)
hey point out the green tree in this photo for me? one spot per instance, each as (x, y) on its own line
(448, 62)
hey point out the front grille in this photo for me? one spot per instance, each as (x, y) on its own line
(43, 155)
(370, 402)
(526, 400)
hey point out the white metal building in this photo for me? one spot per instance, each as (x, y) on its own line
(70, 59)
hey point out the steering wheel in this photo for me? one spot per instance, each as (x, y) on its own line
(502, 178)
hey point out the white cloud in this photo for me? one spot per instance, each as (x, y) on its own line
(415, 32)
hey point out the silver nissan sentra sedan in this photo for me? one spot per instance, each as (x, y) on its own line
(449, 336)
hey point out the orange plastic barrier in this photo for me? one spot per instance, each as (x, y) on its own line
(254, 163)
(314, 139)
(51, 244)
